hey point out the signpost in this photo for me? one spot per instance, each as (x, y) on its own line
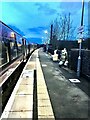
(80, 30)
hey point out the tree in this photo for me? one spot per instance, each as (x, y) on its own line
(63, 28)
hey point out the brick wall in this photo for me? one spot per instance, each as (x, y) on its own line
(86, 63)
(73, 57)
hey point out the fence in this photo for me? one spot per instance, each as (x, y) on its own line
(85, 61)
(72, 48)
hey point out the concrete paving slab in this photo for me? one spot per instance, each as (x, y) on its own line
(41, 90)
(43, 96)
(26, 114)
(31, 65)
(40, 83)
(42, 87)
(44, 105)
(45, 110)
(40, 78)
(27, 73)
(25, 90)
(27, 81)
(22, 103)
(43, 102)
(50, 117)
(39, 75)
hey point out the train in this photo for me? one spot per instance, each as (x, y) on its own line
(13, 46)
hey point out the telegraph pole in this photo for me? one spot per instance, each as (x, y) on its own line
(80, 43)
(51, 34)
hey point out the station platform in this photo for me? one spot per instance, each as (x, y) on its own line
(20, 104)
(56, 96)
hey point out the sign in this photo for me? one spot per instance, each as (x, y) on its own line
(81, 29)
(80, 40)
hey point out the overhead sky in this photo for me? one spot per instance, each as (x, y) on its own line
(31, 19)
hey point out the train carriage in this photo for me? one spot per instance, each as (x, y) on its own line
(12, 46)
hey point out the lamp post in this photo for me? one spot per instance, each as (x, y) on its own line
(51, 33)
(46, 32)
(80, 43)
(42, 40)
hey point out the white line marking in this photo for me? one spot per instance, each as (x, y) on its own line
(74, 80)
(44, 65)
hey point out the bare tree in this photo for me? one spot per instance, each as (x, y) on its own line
(62, 27)
(68, 26)
(56, 28)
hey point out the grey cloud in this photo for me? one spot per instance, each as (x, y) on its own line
(45, 8)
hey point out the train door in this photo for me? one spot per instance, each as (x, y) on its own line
(4, 54)
(13, 49)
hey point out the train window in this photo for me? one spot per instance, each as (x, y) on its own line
(13, 49)
(11, 45)
(19, 44)
(0, 52)
(3, 52)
